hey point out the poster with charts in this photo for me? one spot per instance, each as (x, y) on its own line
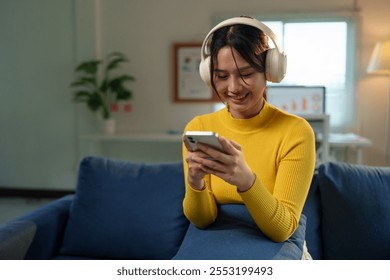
(298, 100)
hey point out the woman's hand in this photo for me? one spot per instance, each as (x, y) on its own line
(229, 165)
(195, 171)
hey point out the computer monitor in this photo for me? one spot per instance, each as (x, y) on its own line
(298, 100)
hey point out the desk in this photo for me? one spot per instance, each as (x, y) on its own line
(346, 141)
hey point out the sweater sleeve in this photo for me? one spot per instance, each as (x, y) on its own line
(277, 214)
(199, 207)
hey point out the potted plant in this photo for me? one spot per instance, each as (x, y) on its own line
(99, 88)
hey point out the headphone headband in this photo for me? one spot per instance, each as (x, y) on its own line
(275, 62)
(241, 20)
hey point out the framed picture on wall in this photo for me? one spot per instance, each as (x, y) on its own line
(188, 86)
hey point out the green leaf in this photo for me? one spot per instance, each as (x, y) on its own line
(104, 87)
(120, 80)
(84, 81)
(115, 63)
(124, 95)
(89, 67)
(95, 102)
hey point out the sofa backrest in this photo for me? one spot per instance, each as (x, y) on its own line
(348, 212)
(132, 210)
(355, 211)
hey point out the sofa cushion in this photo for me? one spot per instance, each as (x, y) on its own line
(235, 236)
(356, 211)
(125, 210)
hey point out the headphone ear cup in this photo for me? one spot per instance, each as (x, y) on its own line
(275, 65)
(204, 71)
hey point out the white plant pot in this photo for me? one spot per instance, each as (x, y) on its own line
(109, 126)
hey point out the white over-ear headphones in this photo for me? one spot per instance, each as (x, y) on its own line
(275, 62)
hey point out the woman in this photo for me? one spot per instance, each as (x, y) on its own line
(268, 155)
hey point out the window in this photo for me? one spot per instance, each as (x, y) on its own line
(320, 53)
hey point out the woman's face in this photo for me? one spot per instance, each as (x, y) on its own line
(238, 84)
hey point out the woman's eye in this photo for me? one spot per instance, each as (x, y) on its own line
(246, 75)
(222, 77)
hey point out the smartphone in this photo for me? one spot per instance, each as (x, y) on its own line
(206, 137)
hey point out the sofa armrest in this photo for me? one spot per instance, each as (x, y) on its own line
(50, 222)
(15, 239)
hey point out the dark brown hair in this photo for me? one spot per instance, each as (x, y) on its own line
(250, 42)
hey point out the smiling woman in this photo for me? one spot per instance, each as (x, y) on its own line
(268, 155)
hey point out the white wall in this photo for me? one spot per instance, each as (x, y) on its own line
(373, 91)
(43, 40)
(36, 118)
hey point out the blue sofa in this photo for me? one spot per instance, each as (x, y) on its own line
(126, 210)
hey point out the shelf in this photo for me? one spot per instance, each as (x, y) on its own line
(348, 139)
(139, 147)
(149, 137)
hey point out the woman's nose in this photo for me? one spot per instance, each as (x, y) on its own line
(234, 84)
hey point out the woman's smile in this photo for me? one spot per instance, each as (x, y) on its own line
(239, 97)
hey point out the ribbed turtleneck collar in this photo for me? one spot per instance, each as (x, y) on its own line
(255, 123)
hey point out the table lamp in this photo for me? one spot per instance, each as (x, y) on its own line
(380, 64)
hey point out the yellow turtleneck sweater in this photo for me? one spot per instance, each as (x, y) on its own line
(280, 149)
